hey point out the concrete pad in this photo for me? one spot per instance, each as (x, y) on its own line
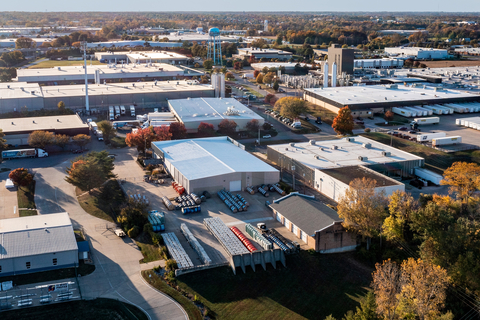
(8, 200)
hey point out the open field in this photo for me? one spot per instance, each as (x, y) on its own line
(26, 195)
(105, 309)
(451, 63)
(312, 286)
(61, 63)
(435, 160)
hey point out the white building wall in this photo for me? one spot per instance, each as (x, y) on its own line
(39, 263)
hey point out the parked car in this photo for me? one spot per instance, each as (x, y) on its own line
(359, 122)
(267, 136)
(77, 151)
(412, 131)
(402, 129)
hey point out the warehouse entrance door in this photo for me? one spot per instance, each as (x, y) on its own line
(236, 185)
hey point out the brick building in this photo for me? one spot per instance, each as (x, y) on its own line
(317, 225)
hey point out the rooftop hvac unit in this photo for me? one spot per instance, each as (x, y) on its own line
(367, 145)
(350, 139)
(334, 147)
(292, 144)
(312, 142)
(362, 158)
(386, 154)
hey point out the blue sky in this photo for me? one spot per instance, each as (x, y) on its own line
(243, 5)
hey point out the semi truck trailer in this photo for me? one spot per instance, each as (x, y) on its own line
(24, 153)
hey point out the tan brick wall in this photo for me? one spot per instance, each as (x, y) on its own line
(334, 237)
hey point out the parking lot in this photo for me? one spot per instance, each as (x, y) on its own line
(257, 212)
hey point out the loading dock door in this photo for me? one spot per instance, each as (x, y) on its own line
(295, 229)
(279, 219)
(303, 236)
(236, 185)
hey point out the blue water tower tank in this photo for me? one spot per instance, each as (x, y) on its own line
(214, 32)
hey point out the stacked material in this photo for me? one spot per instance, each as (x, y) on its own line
(225, 236)
(168, 204)
(233, 202)
(195, 244)
(157, 220)
(176, 251)
(258, 237)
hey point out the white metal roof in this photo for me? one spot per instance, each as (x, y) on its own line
(35, 235)
(207, 157)
(9, 125)
(383, 94)
(262, 51)
(205, 109)
(321, 155)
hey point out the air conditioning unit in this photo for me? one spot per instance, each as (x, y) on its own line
(334, 147)
(362, 158)
(312, 142)
(367, 145)
(350, 139)
(386, 154)
(292, 144)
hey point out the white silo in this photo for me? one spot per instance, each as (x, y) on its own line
(334, 74)
(325, 75)
(222, 85)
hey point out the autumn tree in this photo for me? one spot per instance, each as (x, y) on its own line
(41, 139)
(268, 97)
(229, 76)
(206, 129)
(62, 140)
(389, 115)
(253, 125)
(401, 205)
(362, 209)
(208, 64)
(141, 139)
(291, 107)
(343, 122)
(259, 78)
(61, 107)
(424, 288)
(3, 142)
(268, 78)
(227, 127)
(238, 65)
(107, 129)
(463, 179)
(81, 140)
(25, 43)
(162, 133)
(386, 286)
(85, 175)
(178, 130)
(256, 73)
(21, 177)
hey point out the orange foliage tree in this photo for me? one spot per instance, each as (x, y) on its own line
(343, 122)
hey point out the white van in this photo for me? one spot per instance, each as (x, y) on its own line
(122, 110)
(9, 184)
(132, 111)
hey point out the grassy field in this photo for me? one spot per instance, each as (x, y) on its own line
(159, 284)
(52, 275)
(312, 286)
(103, 204)
(150, 252)
(25, 196)
(61, 63)
(317, 111)
(451, 63)
(105, 309)
(118, 142)
(435, 160)
(26, 213)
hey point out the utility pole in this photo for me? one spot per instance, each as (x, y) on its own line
(84, 47)
(293, 178)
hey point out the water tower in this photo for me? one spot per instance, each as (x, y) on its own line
(214, 46)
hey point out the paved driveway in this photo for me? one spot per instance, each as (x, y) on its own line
(8, 199)
(117, 273)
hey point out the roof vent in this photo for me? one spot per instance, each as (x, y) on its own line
(386, 153)
(286, 149)
(292, 144)
(58, 120)
(367, 145)
(362, 158)
(350, 139)
(334, 147)
(33, 121)
(312, 142)
(13, 123)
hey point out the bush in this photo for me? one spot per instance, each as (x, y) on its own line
(147, 228)
(367, 130)
(156, 238)
(171, 265)
(134, 232)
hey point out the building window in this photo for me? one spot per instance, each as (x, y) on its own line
(27, 265)
(55, 261)
(0, 268)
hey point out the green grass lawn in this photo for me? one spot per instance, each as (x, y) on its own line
(311, 287)
(118, 142)
(26, 213)
(62, 63)
(103, 204)
(51, 275)
(101, 308)
(317, 111)
(435, 160)
(25, 196)
(149, 250)
(187, 304)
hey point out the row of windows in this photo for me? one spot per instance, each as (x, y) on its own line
(28, 264)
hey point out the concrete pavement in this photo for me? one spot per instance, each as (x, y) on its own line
(8, 199)
(117, 273)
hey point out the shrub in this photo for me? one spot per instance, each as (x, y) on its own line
(367, 130)
(156, 238)
(134, 232)
(171, 265)
(147, 228)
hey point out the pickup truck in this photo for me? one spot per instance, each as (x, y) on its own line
(119, 233)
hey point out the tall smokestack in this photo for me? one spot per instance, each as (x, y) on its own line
(325, 75)
(334, 74)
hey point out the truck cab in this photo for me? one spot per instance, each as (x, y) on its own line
(42, 153)
(122, 110)
(132, 111)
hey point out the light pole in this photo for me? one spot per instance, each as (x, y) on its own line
(87, 106)
(293, 176)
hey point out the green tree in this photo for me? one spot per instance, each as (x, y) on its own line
(101, 158)
(3, 142)
(400, 207)
(171, 265)
(279, 40)
(276, 85)
(133, 214)
(81, 140)
(343, 122)
(208, 64)
(107, 129)
(85, 175)
(41, 139)
(291, 107)
(62, 140)
(21, 177)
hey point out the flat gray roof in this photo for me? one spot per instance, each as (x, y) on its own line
(347, 174)
(42, 123)
(35, 235)
(263, 51)
(205, 109)
(15, 90)
(383, 94)
(207, 157)
(323, 155)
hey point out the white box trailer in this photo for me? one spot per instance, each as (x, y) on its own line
(434, 109)
(424, 121)
(446, 110)
(413, 111)
(117, 110)
(426, 137)
(457, 108)
(446, 141)
(402, 112)
(426, 112)
(420, 111)
(428, 175)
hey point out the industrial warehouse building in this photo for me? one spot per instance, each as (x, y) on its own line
(385, 63)
(155, 56)
(109, 73)
(258, 53)
(17, 130)
(317, 225)
(37, 243)
(15, 96)
(191, 112)
(418, 53)
(213, 164)
(329, 166)
(364, 101)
